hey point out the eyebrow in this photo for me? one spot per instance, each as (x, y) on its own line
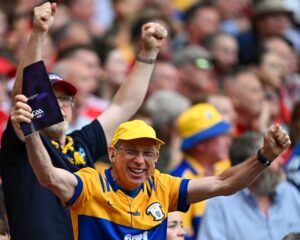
(174, 221)
(135, 147)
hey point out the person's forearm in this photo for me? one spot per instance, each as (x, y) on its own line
(33, 53)
(129, 97)
(60, 181)
(228, 182)
(241, 175)
(39, 159)
(131, 94)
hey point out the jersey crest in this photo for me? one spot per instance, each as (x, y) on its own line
(156, 212)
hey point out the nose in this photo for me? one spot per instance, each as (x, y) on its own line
(181, 231)
(60, 104)
(139, 158)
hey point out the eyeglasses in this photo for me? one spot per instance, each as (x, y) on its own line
(131, 153)
(66, 100)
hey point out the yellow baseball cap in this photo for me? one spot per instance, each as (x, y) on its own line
(133, 130)
(200, 122)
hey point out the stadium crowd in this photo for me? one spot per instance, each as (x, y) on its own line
(226, 71)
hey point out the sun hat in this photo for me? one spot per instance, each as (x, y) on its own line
(267, 7)
(133, 130)
(199, 122)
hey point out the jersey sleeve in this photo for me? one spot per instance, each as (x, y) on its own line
(88, 183)
(177, 192)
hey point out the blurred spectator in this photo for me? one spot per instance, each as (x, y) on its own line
(84, 11)
(169, 10)
(62, 16)
(165, 76)
(285, 49)
(205, 147)
(164, 106)
(224, 50)
(291, 78)
(196, 72)
(235, 16)
(201, 20)
(87, 105)
(119, 34)
(103, 15)
(269, 67)
(175, 230)
(3, 27)
(73, 32)
(17, 42)
(115, 69)
(26, 6)
(292, 163)
(182, 6)
(245, 89)
(268, 209)
(224, 106)
(153, 14)
(87, 55)
(271, 17)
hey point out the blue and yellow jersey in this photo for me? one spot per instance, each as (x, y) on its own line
(100, 209)
(189, 168)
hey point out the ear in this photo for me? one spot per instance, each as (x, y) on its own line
(111, 154)
(155, 161)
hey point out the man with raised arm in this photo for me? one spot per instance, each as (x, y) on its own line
(33, 211)
(131, 200)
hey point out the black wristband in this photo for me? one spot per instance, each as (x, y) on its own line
(145, 60)
(262, 159)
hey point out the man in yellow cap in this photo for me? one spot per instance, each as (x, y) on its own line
(131, 200)
(205, 147)
(33, 211)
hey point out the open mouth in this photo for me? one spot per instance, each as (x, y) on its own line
(137, 171)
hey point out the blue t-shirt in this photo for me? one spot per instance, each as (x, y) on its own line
(34, 211)
(292, 166)
(239, 216)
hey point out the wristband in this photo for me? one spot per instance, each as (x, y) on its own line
(145, 60)
(262, 159)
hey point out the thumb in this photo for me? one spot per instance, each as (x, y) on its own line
(53, 8)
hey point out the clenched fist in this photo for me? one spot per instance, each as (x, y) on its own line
(276, 140)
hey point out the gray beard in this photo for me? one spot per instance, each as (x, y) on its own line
(267, 183)
(56, 131)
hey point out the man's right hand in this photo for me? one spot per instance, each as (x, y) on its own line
(44, 16)
(153, 37)
(21, 112)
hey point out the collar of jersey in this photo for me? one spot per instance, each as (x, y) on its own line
(131, 193)
(197, 168)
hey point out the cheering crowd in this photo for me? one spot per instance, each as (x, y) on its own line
(180, 120)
